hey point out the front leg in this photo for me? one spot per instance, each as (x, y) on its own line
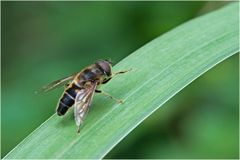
(121, 72)
(108, 95)
(114, 74)
(106, 80)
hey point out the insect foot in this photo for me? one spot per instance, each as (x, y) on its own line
(120, 101)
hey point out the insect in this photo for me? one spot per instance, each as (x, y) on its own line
(80, 88)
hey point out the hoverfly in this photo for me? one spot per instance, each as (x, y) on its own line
(80, 88)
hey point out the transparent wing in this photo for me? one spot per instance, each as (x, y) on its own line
(82, 102)
(56, 84)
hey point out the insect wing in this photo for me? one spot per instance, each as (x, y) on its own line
(56, 84)
(82, 102)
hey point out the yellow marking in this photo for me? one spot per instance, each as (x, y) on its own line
(76, 83)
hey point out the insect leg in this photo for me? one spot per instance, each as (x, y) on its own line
(121, 72)
(105, 81)
(108, 95)
(78, 129)
(116, 73)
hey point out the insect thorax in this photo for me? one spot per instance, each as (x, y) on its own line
(91, 73)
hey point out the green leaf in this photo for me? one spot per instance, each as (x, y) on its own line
(161, 69)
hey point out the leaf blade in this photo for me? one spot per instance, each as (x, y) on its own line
(157, 67)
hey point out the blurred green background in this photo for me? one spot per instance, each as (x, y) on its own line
(44, 41)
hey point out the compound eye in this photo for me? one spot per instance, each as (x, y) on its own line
(108, 73)
(105, 67)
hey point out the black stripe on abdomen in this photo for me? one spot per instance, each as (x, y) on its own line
(62, 109)
(72, 91)
(65, 102)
